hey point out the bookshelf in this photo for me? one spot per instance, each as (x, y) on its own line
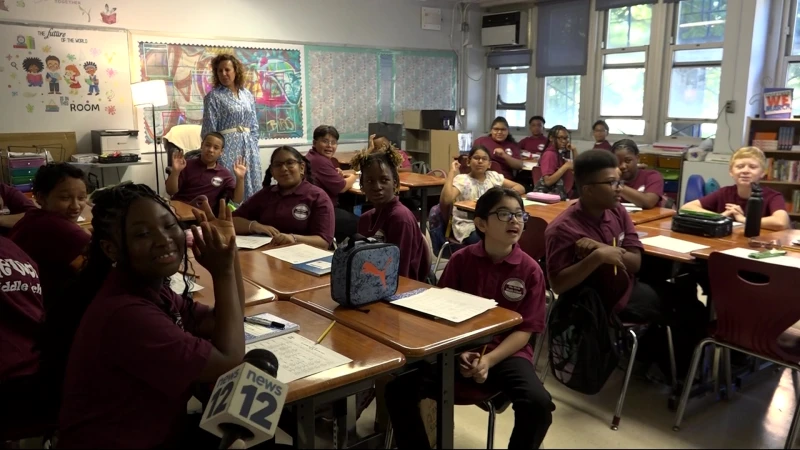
(786, 184)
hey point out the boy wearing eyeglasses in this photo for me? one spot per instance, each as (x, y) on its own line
(516, 282)
(594, 243)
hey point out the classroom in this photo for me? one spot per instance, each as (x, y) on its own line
(381, 223)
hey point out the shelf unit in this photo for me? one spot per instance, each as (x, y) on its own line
(755, 125)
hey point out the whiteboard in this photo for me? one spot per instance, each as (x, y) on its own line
(64, 79)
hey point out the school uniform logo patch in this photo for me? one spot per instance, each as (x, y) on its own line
(641, 189)
(541, 147)
(620, 238)
(301, 211)
(216, 181)
(508, 152)
(514, 289)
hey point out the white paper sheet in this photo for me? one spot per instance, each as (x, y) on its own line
(176, 284)
(252, 242)
(780, 260)
(527, 202)
(447, 304)
(299, 357)
(297, 254)
(357, 185)
(529, 165)
(676, 245)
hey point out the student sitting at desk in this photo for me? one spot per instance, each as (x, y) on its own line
(537, 141)
(464, 187)
(555, 162)
(501, 271)
(644, 188)
(600, 132)
(13, 205)
(292, 211)
(503, 150)
(138, 348)
(391, 221)
(380, 143)
(205, 175)
(746, 167)
(331, 179)
(51, 235)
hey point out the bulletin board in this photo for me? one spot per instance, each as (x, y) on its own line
(274, 74)
(63, 79)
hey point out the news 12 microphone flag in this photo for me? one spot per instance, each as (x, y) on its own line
(247, 397)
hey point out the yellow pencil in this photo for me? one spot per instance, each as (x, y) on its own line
(325, 333)
(614, 244)
(481, 357)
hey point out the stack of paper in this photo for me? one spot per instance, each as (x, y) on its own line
(676, 245)
(257, 332)
(296, 254)
(253, 241)
(177, 284)
(449, 304)
(780, 260)
(630, 207)
(357, 185)
(299, 357)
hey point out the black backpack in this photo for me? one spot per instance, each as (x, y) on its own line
(583, 351)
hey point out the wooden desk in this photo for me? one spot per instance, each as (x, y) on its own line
(254, 294)
(276, 275)
(423, 183)
(360, 192)
(714, 244)
(416, 337)
(785, 237)
(370, 360)
(182, 210)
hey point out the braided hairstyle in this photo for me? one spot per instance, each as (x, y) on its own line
(552, 136)
(109, 219)
(298, 156)
(390, 158)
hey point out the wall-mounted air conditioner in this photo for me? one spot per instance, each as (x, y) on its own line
(505, 29)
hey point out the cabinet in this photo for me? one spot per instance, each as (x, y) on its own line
(669, 165)
(787, 182)
(438, 148)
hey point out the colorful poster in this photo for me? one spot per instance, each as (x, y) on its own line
(778, 103)
(63, 79)
(273, 73)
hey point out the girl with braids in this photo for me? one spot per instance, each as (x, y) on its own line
(292, 211)
(391, 221)
(553, 163)
(140, 347)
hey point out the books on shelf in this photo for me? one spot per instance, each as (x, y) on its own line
(796, 201)
(782, 170)
(785, 138)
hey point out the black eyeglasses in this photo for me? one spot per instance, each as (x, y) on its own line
(289, 164)
(505, 216)
(615, 184)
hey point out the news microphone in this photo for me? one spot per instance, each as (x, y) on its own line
(247, 402)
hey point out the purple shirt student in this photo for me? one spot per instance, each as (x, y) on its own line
(550, 162)
(396, 224)
(12, 202)
(498, 163)
(574, 224)
(516, 283)
(326, 176)
(131, 383)
(648, 181)
(197, 179)
(534, 144)
(603, 145)
(715, 201)
(305, 210)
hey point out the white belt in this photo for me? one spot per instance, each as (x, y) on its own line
(236, 129)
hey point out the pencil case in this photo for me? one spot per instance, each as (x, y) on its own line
(364, 271)
(702, 224)
(542, 197)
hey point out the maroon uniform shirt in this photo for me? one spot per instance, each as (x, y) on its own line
(648, 181)
(14, 201)
(534, 144)
(715, 201)
(326, 176)
(501, 166)
(197, 179)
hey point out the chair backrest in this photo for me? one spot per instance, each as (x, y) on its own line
(569, 181)
(536, 175)
(420, 167)
(438, 173)
(755, 302)
(532, 239)
(695, 188)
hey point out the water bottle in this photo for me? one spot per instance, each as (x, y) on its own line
(752, 217)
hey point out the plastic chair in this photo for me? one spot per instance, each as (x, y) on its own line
(536, 175)
(695, 188)
(760, 329)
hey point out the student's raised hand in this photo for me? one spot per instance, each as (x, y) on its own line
(178, 161)
(223, 223)
(455, 166)
(212, 250)
(283, 239)
(239, 168)
(612, 255)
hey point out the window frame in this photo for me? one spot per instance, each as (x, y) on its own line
(494, 107)
(790, 10)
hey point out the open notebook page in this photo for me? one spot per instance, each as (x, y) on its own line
(299, 357)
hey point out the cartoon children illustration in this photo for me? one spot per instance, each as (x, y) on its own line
(34, 68)
(91, 80)
(71, 73)
(53, 64)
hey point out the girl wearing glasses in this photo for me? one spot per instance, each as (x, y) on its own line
(464, 187)
(503, 149)
(516, 282)
(293, 210)
(555, 162)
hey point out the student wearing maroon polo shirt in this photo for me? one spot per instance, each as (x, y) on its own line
(391, 221)
(380, 143)
(204, 176)
(554, 163)
(644, 188)
(331, 179)
(595, 235)
(537, 141)
(503, 150)
(746, 167)
(13, 205)
(292, 211)
(51, 235)
(600, 132)
(22, 390)
(138, 347)
(494, 268)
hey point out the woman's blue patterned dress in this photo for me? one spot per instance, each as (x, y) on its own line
(223, 111)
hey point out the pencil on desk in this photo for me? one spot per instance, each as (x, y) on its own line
(614, 244)
(482, 353)
(325, 333)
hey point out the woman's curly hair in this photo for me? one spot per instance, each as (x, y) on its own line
(237, 67)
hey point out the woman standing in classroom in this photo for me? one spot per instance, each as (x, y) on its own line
(230, 110)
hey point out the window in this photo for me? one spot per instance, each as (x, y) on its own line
(793, 56)
(512, 92)
(696, 59)
(562, 101)
(624, 61)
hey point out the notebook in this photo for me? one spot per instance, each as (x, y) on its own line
(317, 267)
(296, 254)
(254, 332)
(448, 304)
(300, 357)
(252, 242)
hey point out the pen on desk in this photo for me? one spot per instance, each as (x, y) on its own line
(265, 323)
(325, 333)
(614, 244)
(482, 353)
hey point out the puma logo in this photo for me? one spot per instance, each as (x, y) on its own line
(369, 269)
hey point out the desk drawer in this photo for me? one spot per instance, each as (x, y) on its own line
(27, 187)
(119, 143)
(22, 163)
(670, 162)
(650, 160)
(27, 172)
(27, 179)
